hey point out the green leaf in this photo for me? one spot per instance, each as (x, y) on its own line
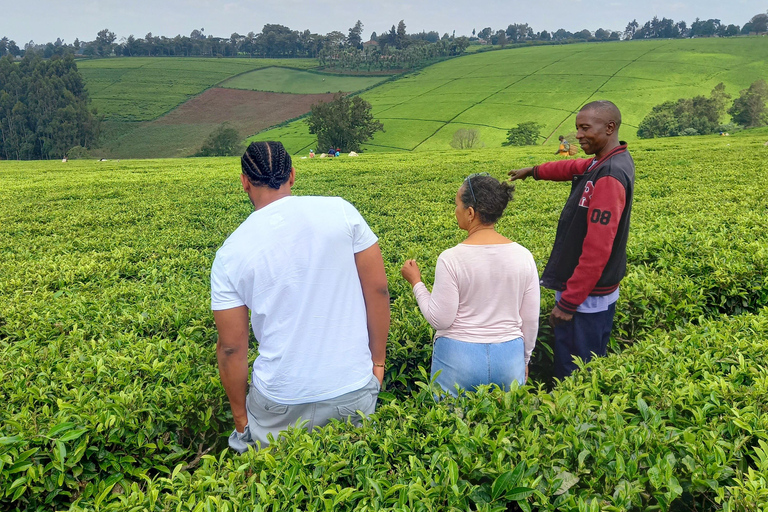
(61, 427)
(519, 493)
(73, 435)
(506, 481)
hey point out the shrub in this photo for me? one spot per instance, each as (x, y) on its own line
(78, 152)
(465, 138)
(223, 141)
(524, 134)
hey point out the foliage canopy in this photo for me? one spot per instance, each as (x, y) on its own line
(43, 108)
(344, 123)
(687, 116)
(749, 108)
(524, 134)
(223, 141)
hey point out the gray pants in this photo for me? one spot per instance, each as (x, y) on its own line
(267, 416)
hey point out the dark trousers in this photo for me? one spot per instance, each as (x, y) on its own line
(586, 334)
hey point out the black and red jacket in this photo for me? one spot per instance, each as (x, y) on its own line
(589, 256)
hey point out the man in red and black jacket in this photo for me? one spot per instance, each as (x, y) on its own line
(589, 256)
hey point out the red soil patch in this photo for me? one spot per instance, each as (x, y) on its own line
(247, 111)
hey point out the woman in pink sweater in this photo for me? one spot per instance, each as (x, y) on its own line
(484, 304)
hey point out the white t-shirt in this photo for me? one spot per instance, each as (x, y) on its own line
(293, 264)
(484, 294)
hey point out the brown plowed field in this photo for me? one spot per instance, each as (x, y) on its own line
(181, 132)
(247, 111)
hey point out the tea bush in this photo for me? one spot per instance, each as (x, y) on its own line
(112, 397)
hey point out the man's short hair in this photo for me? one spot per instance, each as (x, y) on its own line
(266, 164)
(607, 108)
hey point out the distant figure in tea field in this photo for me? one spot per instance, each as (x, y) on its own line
(484, 303)
(310, 272)
(589, 256)
(564, 147)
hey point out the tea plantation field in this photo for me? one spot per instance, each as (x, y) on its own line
(144, 88)
(494, 91)
(295, 81)
(112, 401)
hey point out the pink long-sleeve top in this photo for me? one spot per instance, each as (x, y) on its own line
(484, 294)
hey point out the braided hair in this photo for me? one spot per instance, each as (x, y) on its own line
(266, 164)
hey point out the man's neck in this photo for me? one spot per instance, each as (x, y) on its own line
(613, 144)
(266, 197)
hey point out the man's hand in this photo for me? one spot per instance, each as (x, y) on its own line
(378, 372)
(526, 374)
(520, 174)
(558, 316)
(411, 272)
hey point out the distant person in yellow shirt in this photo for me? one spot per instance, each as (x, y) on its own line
(564, 148)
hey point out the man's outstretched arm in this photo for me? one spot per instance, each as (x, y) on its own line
(373, 280)
(232, 354)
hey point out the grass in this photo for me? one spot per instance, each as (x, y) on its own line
(494, 91)
(276, 79)
(144, 88)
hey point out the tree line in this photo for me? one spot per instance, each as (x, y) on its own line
(701, 115)
(394, 50)
(43, 108)
(279, 41)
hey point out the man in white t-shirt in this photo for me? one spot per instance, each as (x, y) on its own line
(310, 271)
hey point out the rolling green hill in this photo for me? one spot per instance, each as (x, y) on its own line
(277, 79)
(144, 88)
(493, 91)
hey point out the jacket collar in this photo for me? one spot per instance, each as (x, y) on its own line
(622, 147)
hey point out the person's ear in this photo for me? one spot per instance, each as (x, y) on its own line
(292, 177)
(471, 213)
(245, 182)
(610, 127)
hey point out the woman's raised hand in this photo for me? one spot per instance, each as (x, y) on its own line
(411, 272)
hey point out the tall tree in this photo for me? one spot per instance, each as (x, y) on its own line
(344, 123)
(629, 32)
(749, 108)
(759, 23)
(355, 38)
(402, 37)
(104, 40)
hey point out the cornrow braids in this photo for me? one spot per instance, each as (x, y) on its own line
(266, 164)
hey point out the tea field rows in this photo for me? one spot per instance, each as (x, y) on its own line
(144, 88)
(113, 400)
(294, 81)
(494, 91)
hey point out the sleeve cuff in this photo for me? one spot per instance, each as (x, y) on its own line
(566, 307)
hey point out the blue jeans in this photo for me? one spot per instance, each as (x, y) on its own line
(473, 364)
(586, 334)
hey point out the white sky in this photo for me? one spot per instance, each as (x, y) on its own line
(44, 20)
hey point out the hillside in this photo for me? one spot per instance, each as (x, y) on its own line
(494, 91)
(112, 400)
(165, 107)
